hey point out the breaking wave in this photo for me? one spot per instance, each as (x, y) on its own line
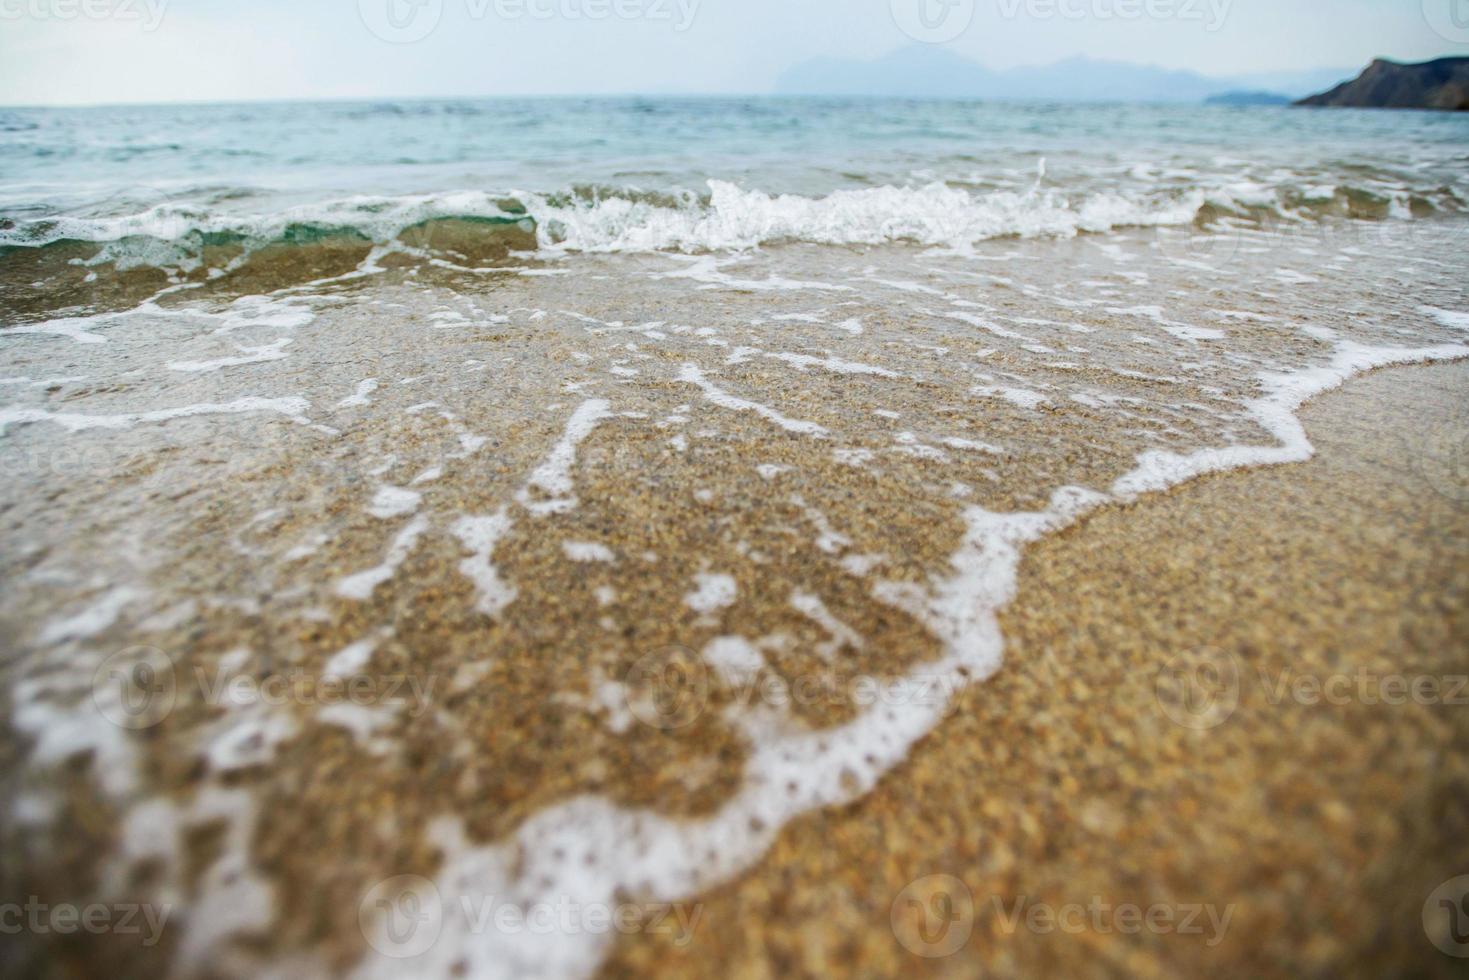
(482, 225)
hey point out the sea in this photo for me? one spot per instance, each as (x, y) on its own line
(699, 175)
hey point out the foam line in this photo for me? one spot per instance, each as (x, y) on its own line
(591, 850)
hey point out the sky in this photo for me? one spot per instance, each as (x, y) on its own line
(110, 51)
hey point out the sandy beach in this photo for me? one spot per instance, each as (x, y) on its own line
(1065, 780)
(752, 591)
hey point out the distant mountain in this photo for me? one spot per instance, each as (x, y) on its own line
(1086, 80)
(1441, 84)
(1248, 98)
(1296, 84)
(924, 71)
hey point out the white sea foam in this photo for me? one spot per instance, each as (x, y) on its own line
(713, 593)
(362, 585)
(553, 477)
(954, 442)
(829, 539)
(841, 635)
(691, 374)
(1023, 397)
(390, 502)
(587, 552)
(350, 660)
(247, 355)
(934, 214)
(64, 714)
(735, 658)
(293, 408)
(359, 398)
(481, 536)
(1275, 413)
(95, 618)
(78, 329)
(1449, 318)
(804, 362)
(985, 325)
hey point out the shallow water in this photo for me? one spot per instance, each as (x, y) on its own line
(635, 555)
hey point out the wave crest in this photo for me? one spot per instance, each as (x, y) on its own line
(484, 227)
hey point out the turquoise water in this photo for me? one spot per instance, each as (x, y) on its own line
(167, 172)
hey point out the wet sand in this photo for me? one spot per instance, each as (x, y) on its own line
(536, 495)
(1066, 778)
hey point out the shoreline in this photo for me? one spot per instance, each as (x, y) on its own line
(1348, 565)
(508, 513)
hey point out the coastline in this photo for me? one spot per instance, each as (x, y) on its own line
(1064, 778)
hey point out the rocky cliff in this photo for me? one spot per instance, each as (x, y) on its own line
(1441, 84)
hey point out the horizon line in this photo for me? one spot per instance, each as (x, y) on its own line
(608, 96)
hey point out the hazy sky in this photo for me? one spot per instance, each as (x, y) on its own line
(68, 51)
